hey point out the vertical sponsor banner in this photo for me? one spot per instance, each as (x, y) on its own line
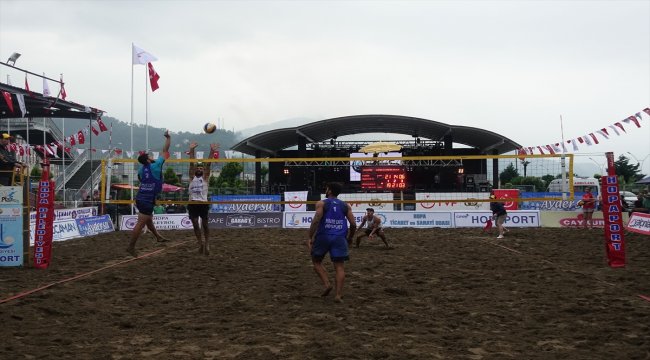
(11, 226)
(44, 223)
(614, 234)
(295, 196)
(508, 194)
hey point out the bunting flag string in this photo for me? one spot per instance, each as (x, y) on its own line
(590, 138)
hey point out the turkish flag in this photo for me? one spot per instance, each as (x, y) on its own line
(215, 154)
(102, 127)
(10, 103)
(72, 140)
(80, 136)
(153, 77)
(95, 131)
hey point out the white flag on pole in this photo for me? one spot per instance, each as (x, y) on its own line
(142, 57)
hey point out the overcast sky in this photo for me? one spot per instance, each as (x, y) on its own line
(512, 67)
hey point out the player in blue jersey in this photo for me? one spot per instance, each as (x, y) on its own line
(329, 232)
(151, 180)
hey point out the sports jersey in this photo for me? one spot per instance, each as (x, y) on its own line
(334, 221)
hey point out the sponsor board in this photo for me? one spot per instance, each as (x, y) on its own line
(373, 200)
(245, 220)
(245, 208)
(467, 204)
(66, 214)
(11, 195)
(95, 225)
(572, 219)
(639, 223)
(161, 222)
(61, 230)
(515, 218)
(296, 220)
(11, 232)
(295, 196)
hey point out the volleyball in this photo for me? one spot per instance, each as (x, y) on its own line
(209, 128)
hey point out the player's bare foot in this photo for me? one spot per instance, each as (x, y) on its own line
(162, 239)
(338, 299)
(326, 291)
(206, 249)
(132, 252)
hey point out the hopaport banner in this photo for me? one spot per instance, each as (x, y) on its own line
(244, 220)
(44, 224)
(612, 214)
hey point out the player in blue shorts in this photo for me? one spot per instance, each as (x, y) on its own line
(329, 232)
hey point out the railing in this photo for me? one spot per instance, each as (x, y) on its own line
(95, 176)
(70, 170)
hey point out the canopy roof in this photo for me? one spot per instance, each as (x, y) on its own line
(39, 106)
(270, 142)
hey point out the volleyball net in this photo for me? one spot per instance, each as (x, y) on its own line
(409, 182)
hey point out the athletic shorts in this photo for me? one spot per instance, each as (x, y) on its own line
(198, 210)
(144, 207)
(337, 246)
(368, 231)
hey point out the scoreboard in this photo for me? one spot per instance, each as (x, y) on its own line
(383, 177)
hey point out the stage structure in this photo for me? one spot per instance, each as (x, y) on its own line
(429, 138)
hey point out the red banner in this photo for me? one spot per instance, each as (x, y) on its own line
(44, 220)
(613, 217)
(508, 194)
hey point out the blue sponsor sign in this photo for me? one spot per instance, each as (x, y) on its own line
(249, 207)
(95, 225)
(548, 205)
(11, 235)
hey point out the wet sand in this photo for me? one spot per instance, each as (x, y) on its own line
(440, 294)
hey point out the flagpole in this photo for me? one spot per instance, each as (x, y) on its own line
(563, 161)
(63, 154)
(146, 109)
(133, 169)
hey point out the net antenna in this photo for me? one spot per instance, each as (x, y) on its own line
(563, 163)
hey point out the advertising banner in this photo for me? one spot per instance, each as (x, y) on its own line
(44, 224)
(67, 214)
(614, 231)
(516, 218)
(161, 222)
(548, 205)
(245, 220)
(295, 196)
(302, 219)
(245, 208)
(394, 219)
(373, 200)
(507, 194)
(11, 226)
(95, 225)
(452, 205)
(441, 219)
(570, 219)
(639, 223)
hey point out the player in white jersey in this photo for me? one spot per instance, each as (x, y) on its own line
(198, 190)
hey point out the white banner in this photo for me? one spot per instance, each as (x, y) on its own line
(639, 223)
(516, 218)
(467, 204)
(374, 200)
(62, 230)
(67, 214)
(295, 196)
(161, 222)
(402, 219)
